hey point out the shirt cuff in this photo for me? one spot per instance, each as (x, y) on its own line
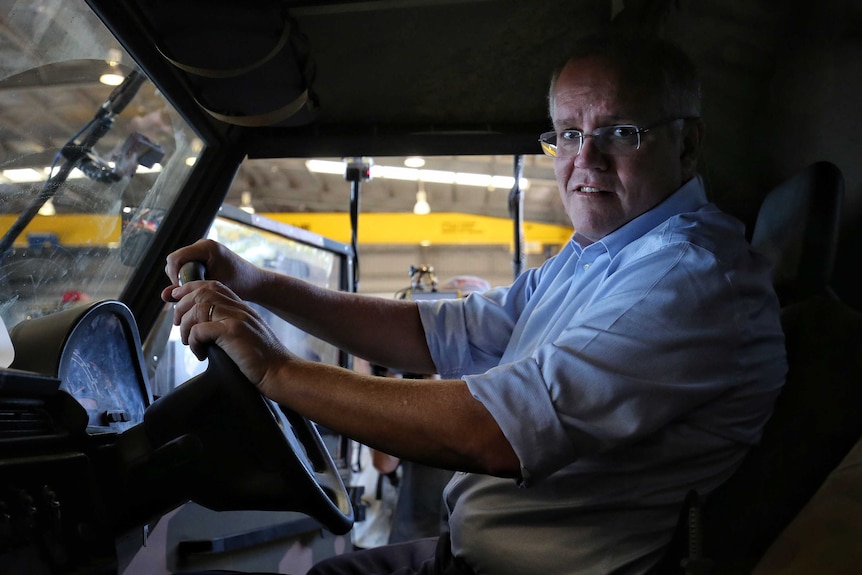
(517, 398)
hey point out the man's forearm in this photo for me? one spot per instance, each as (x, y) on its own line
(388, 332)
(435, 422)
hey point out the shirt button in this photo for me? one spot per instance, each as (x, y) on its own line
(586, 267)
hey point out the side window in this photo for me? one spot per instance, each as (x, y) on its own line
(270, 245)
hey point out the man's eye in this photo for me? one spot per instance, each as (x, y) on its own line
(624, 132)
(570, 135)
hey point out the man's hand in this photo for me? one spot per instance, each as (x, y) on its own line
(209, 313)
(220, 263)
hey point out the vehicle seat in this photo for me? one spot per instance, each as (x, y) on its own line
(797, 227)
(818, 415)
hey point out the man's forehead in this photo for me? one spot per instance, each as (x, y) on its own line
(589, 70)
(593, 86)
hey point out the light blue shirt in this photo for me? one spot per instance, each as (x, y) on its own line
(624, 374)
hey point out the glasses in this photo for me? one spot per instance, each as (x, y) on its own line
(616, 140)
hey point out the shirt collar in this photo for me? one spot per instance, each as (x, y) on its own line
(688, 198)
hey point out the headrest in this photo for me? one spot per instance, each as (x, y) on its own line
(797, 227)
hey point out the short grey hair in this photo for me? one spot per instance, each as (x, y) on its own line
(646, 62)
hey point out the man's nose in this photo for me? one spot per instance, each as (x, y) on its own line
(590, 155)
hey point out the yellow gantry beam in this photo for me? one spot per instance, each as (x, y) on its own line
(374, 228)
(71, 229)
(444, 228)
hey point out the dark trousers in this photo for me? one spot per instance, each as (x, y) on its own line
(432, 556)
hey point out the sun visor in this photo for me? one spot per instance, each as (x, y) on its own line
(246, 63)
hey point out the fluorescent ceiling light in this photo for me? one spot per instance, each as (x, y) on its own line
(395, 173)
(438, 176)
(33, 175)
(483, 180)
(325, 167)
(19, 175)
(417, 175)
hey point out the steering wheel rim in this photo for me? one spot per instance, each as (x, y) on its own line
(297, 472)
(290, 442)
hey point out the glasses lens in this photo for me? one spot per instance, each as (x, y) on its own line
(618, 140)
(548, 141)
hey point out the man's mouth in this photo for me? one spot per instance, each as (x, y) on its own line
(588, 189)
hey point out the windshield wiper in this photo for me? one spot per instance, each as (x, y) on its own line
(78, 154)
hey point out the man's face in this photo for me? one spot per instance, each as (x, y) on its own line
(601, 192)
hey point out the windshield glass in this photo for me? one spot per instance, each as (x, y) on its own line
(91, 157)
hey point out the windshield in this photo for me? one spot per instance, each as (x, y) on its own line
(91, 157)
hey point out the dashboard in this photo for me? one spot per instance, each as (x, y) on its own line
(95, 352)
(99, 458)
(76, 388)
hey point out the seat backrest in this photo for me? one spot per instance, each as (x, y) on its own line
(797, 227)
(817, 416)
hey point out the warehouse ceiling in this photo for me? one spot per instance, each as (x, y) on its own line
(461, 83)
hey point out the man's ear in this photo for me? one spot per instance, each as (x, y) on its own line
(691, 143)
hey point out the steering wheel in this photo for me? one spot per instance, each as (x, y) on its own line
(251, 453)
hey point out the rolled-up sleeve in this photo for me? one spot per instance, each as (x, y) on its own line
(517, 397)
(471, 335)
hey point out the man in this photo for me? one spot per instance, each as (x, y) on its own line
(581, 403)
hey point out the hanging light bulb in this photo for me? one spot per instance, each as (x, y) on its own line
(421, 207)
(111, 79)
(113, 76)
(245, 202)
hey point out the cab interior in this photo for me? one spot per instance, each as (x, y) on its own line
(222, 106)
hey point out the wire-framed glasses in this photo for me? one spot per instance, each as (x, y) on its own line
(616, 140)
